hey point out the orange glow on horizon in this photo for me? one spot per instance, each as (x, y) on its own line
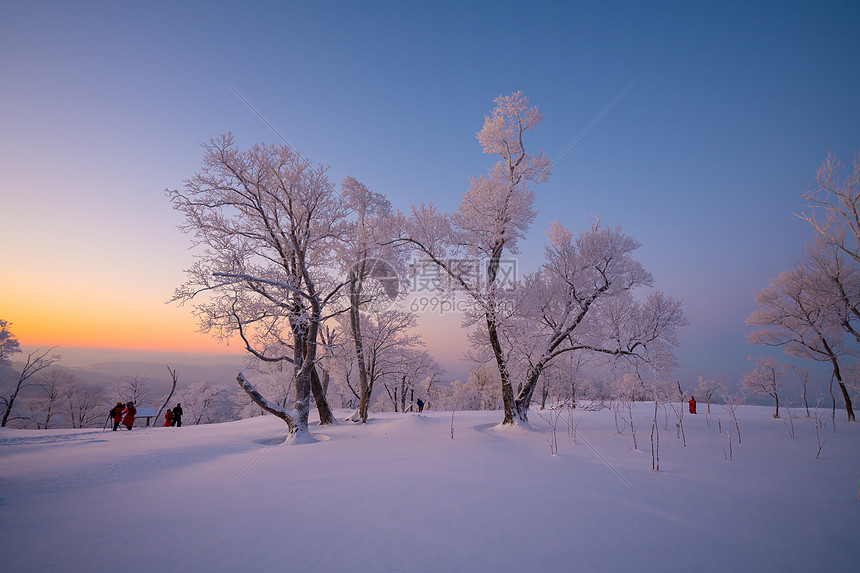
(79, 317)
(195, 343)
(159, 328)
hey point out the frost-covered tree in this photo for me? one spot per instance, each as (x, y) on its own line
(267, 219)
(832, 285)
(338, 366)
(709, 389)
(470, 246)
(206, 403)
(373, 265)
(555, 387)
(834, 255)
(45, 407)
(803, 377)
(276, 381)
(36, 361)
(84, 404)
(415, 370)
(428, 386)
(834, 206)
(135, 389)
(385, 336)
(9, 344)
(801, 312)
(624, 394)
(765, 379)
(580, 301)
(480, 391)
(571, 370)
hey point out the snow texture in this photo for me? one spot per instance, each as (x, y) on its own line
(398, 494)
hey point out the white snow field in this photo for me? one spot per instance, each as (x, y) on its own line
(399, 494)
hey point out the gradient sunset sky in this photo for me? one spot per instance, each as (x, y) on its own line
(731, 108)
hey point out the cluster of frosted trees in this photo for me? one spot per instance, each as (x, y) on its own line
(813, 309)
(290, 263)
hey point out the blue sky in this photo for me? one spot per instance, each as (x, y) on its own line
(731, 109)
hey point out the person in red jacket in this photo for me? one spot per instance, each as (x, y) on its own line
(128, 415)
(692, 404)
(168, 418)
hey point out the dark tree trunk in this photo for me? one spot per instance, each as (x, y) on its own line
(9, 408)
(524, 396)
(326, 415)
(493, 333)
(364, 388)
(847, 398)
(837, 373)
(403, 394)
(507, 389)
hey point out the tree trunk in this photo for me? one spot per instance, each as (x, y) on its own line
(302, 372)
(849, 409)
(493, 333)
(507, 389)
(9, 408)
(304, 353)
(269, 407)
(303, 401)
(847, 398)
(169, 396)
(326, 415)
(355, 327)
(402, 394)
(524, 396)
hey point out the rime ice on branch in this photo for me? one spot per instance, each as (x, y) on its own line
(580, 300)
(265, 220)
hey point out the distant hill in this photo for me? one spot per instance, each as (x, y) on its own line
(108, 368)
(157, 372)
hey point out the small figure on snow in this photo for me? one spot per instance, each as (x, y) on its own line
(420, 403)
(116, 414)
(168, 418)
(692, 403)
(129, 413)
(177, 415)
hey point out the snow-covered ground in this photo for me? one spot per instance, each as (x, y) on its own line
(399, 494)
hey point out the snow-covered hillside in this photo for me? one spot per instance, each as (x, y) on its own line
(399, 494)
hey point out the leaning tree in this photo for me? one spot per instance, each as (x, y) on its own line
(803, 312)
(581, 302)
